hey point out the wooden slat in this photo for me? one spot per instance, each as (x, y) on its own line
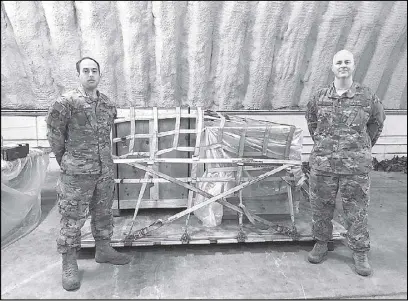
(116, 166)
(289, 141)
(245, 161)
(220, 129)
(136, 154)
(132, 130)
(226, 127)
(198, 179)
(159, 135)
(290, 199)
(41, 125)
(180, 148)
(235, 168)
(185, 149)
(164, 151)
(154, 128)
(148, 203)
(173, 132)
(177, 128)
(147, 114)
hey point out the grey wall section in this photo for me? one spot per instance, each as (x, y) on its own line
(221, 55)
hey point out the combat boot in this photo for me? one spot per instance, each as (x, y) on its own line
(318, 253)
(105, 253)
(70, 274)
(361, 263)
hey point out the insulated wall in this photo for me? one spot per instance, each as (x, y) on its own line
(221, 55)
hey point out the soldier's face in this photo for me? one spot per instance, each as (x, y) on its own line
(89, 75)
(343, 65)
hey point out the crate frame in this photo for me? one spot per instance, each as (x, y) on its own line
(196, 164)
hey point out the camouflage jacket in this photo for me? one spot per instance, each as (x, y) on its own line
(78, 130)
(344, 129)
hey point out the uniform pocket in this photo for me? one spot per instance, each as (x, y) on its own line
(68, 207)
(81, 119)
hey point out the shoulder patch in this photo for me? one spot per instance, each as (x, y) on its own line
(55, 114)
(60, 108)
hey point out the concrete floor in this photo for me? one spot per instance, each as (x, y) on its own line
(31, 267)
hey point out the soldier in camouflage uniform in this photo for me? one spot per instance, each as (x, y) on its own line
(78, 130)
(344, 121)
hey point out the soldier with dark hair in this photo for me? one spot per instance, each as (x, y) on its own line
(344, 121)
(78, 130)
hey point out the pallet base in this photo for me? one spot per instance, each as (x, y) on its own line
(227, 232)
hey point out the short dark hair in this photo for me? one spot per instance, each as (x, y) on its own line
(85, 58)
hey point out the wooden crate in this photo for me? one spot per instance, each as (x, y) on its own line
(160, 158)
(150, 134)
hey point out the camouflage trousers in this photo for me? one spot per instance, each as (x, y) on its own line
(354, 192)
(79, 196)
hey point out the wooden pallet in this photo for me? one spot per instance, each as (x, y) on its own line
(165, 149)
(227, 232)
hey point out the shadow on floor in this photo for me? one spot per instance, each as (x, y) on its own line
(48, 201)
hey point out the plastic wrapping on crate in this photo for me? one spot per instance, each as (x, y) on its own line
(211, 215)
(21, 182)
(284, 141)
(262, 139)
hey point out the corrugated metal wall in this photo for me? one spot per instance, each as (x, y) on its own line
(221, 55)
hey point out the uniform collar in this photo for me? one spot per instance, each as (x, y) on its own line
(87, 98)
(349, 93)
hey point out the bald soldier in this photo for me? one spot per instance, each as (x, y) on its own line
(78, 130)
(344, 121)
